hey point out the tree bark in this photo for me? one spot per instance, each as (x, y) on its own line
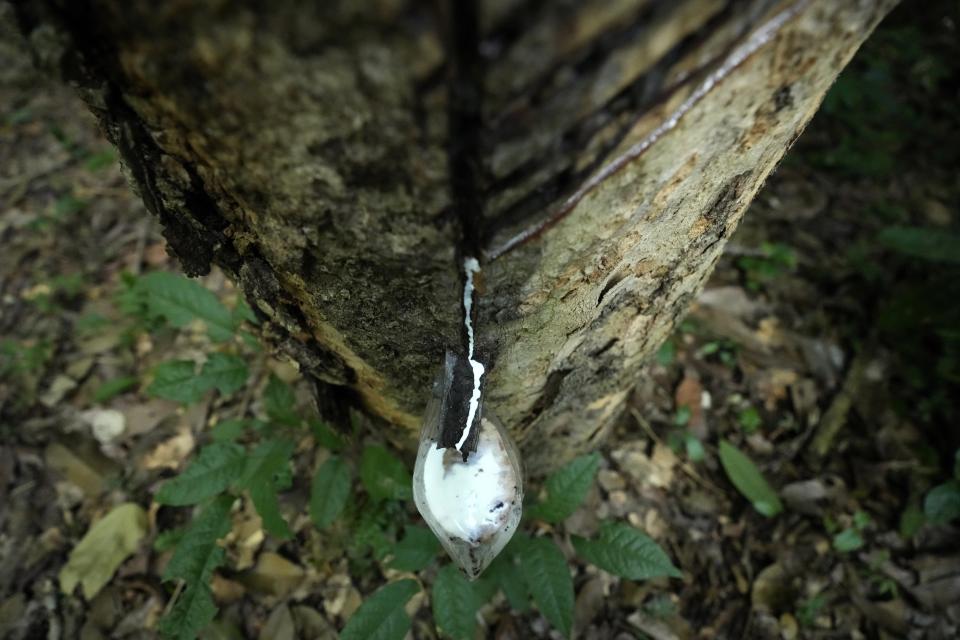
(340, 159)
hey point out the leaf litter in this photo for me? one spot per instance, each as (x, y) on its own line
(775, 336)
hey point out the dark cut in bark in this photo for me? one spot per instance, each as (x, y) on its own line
(339, 159)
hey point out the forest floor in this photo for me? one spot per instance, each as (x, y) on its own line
(825, 347)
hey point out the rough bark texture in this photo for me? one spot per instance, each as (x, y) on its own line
(340, 158)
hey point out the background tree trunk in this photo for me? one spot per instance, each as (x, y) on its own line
(339, 159)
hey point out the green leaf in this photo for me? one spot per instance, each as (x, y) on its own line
(168, 539)
(228, 430)
(324, 435)
(911, 520)
(417, 549)
(101, 160)
(566, 489)
(181, 301)
(114, 387)
(382, 616)
(627, 552)
(942, 503)
(694, 447)
(934, 245)
(196, 557)
(370, 531)
(104, 548)
(748, 480)
(750, 420)
(329, 492)
(505, 572)
(227, 373)
(455, 604)
(177, 380)
(265, 499)
(259, 477)
(547, 576)
(280, 402)
(847, 540)
(216, 467)
(667, 353)
(242, 312)
(383, 475)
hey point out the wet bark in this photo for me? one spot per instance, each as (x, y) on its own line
(340, 159)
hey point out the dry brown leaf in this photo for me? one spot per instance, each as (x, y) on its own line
(171, 452)
(74, 469)
(689, 394)
(274, 575)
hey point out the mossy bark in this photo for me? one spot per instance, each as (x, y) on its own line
(340, 159)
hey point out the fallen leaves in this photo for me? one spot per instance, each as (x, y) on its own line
(105, 546)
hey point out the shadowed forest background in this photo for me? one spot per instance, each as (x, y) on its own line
(826, 348)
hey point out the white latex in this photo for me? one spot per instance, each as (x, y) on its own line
(470, 500)
(472, 507)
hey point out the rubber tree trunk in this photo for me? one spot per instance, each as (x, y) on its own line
(340, 159)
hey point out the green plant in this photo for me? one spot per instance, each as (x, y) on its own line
(748, 480)
(851, 538)
(942, 504)
(251, 459)
(749, 419)
(773, 261)
(529, 568)
(809, 609)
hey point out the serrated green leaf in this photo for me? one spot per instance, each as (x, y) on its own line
(566, 489)
(226, 372)
(942, 503)
(329, 492)
(383, 475)
(280, 402)
(748, 480)
(196, 557)
(194, 610)
(215, 468)
(547, 577)
(104, 548)
(114, 387)
(417, 549)
(177, 380)
(265, 500)
(181, 301)
(455, 604)
(627, 552)
(259, 477)
(370, 532)
(382, 616)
